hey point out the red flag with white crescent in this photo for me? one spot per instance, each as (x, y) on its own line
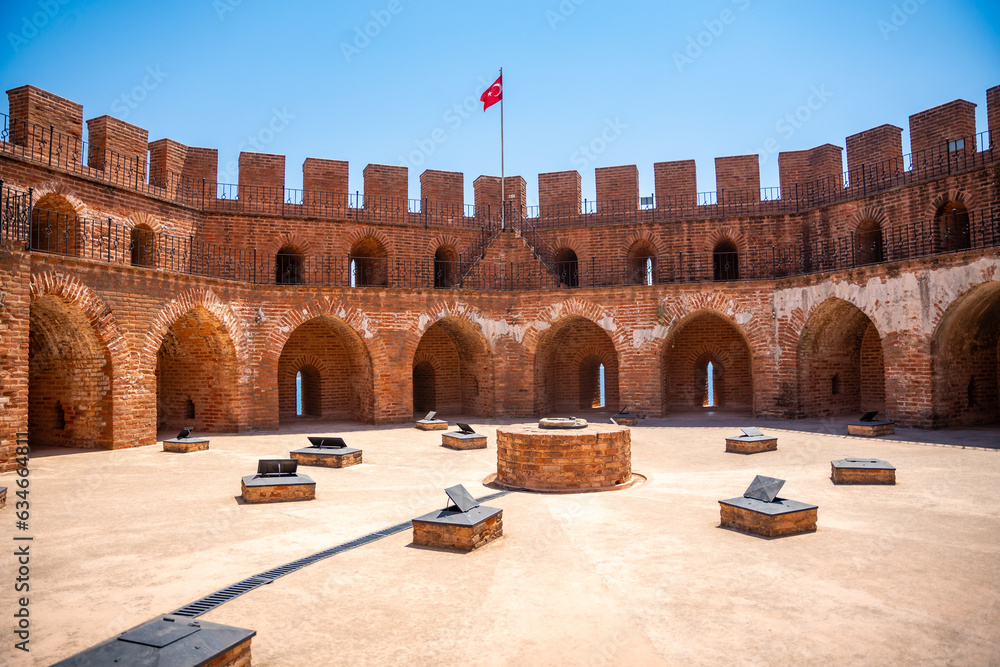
(493, 94)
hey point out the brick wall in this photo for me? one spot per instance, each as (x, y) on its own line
(738, 178)
(114, 144)
(386, 187)
(559, 193)
(324, 182)
(442, 193)
(993, 111)
(702, 339)
(487, 193)
(879, 150)
(34, 105)
(933, 128)
(823, 163)
(676, 183)
(617, 188)
(262, 170)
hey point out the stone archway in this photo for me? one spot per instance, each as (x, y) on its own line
(841, 370)
(453, 370)
(701, 338)
(344, 368)
(566, 359)
(197, 374)
(69, 378)
(965, 357)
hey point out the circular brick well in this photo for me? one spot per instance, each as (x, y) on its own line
(596, 458)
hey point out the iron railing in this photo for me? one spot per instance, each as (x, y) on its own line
(71, 153)
(41, 230)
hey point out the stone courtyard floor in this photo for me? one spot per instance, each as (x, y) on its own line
(906, 574)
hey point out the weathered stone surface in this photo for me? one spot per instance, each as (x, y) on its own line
(186, 445)
(591, 459)
(461, 538)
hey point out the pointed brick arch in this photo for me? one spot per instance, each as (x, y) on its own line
(301, 243)
(840, 361)
(451, 339)
(559, 355)
(369, 233)
(182, 304)
(727, 233)
(583, 308)
(78, 365)
(697, 337)
(61, 190)
(351, 353)
(957, 195)
(965, 359)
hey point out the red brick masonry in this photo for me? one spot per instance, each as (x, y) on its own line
(591, 459)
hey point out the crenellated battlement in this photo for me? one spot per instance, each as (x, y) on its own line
(49, 128)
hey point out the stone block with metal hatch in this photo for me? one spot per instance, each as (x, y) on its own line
(170, 640)
(184, 443)
(462, 525)
(432, 423)
(327, 453)
(870, 427)
(463, 438)
(762, 512)
(862, 471)
(751, 442)
(625, 418)
(277, 480)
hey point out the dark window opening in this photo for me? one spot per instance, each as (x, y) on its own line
(835, 384)
(288, 266)
(189, 409)
(725, 261)
(567, 268)
(60, 416)
(141, 246)
(445, 267)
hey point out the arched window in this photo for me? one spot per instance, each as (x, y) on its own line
(710, 385)
(708, 380)
(308, 392)
(868, 242)
(952, 226)
(369, 264)
(288, 266)
(53, 225)
(567, 267)
(445, 266)
(725, 261)
(641, 263)
(142, 246)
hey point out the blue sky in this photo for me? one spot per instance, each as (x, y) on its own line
(398, 81)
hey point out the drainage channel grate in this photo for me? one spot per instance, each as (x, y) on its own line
(220, 597)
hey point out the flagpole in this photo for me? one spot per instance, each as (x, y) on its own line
(503, 199)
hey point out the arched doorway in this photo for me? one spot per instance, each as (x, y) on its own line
(868, 248)
(707, 364)
(69, 378)
(567, 268)
(368, 264)
(725, 261)
(196, 375)
(288, 266)
(567, 367)
(339, 379)
(642, 263)
(54, 225)
(965, 356)
(841, 370)
(453, 370)
(951, 224)
(142, 246)
(445, 266)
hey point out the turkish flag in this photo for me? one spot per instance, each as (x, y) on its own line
(493, 94)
